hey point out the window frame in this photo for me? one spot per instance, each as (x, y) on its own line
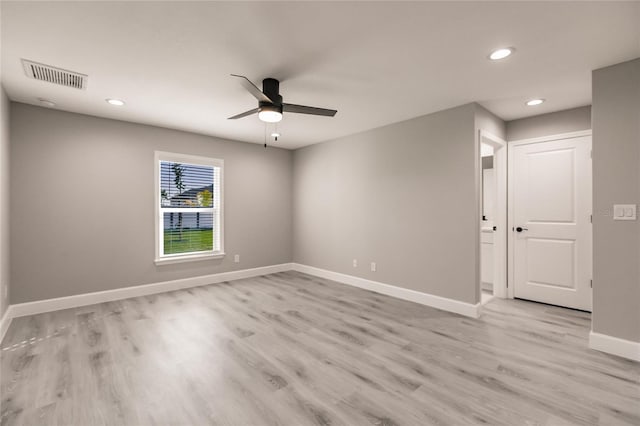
(217, 252)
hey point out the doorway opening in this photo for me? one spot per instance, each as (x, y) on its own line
(493, 217)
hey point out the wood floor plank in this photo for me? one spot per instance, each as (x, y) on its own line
(293, 349)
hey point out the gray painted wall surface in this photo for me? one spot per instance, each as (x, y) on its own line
(554, 123)
(488, 121)
(403, 196)
(82, 203)
(616, 180)
(4, 201)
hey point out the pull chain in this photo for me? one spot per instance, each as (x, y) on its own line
(265, 135)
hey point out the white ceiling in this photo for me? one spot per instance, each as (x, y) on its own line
(376, 63)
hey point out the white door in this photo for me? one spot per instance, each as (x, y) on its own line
(551, 221)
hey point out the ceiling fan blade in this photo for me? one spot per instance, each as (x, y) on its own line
(302, 109)
(244, 114)
(251, 88)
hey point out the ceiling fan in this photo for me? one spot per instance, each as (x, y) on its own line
(270, 105)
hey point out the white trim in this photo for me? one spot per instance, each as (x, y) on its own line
(443, 303)
(568, 135)
(5, 322)
(189, 258)
(219, 206)
(486, 298)
(156, 199)
(199, 160)
(48, 305)
(510, 224)
(615, 346)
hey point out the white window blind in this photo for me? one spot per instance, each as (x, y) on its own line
(189, 206)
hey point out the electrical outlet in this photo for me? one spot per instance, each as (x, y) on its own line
(373, 266)
(355, 263)
(236, 258)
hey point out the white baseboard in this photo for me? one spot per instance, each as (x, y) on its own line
(601, 342)
(443, 303)
(48, 305)
(615, 346)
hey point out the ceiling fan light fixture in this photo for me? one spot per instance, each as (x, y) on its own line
(270, 114)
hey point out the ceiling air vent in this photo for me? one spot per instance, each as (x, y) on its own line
(54, 75)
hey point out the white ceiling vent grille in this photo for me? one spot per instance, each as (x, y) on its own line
(54, 75)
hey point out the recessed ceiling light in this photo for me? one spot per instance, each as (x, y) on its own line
(46, 103)
(534, 102)
(501, 53)
(116, 102)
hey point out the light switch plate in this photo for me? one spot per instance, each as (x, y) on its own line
(624, 212)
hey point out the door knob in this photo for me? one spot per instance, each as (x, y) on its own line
(520, 229)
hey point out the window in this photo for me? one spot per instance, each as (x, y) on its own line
(188, 208)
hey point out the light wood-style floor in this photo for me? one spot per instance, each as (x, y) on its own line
(291, 349)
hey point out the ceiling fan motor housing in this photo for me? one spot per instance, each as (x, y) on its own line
(271, 88)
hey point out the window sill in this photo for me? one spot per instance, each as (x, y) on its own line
(188, 258)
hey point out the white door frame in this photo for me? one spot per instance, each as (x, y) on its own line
(510, 225)
(500, 235)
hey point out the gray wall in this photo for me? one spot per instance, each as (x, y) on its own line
(616, 180)
(403, 196)
(4, 201)
(554, 123)
(488, 121)
(82, 203)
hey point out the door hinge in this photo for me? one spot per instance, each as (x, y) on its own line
(591, 282)
(591, 218)
(591, 154)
